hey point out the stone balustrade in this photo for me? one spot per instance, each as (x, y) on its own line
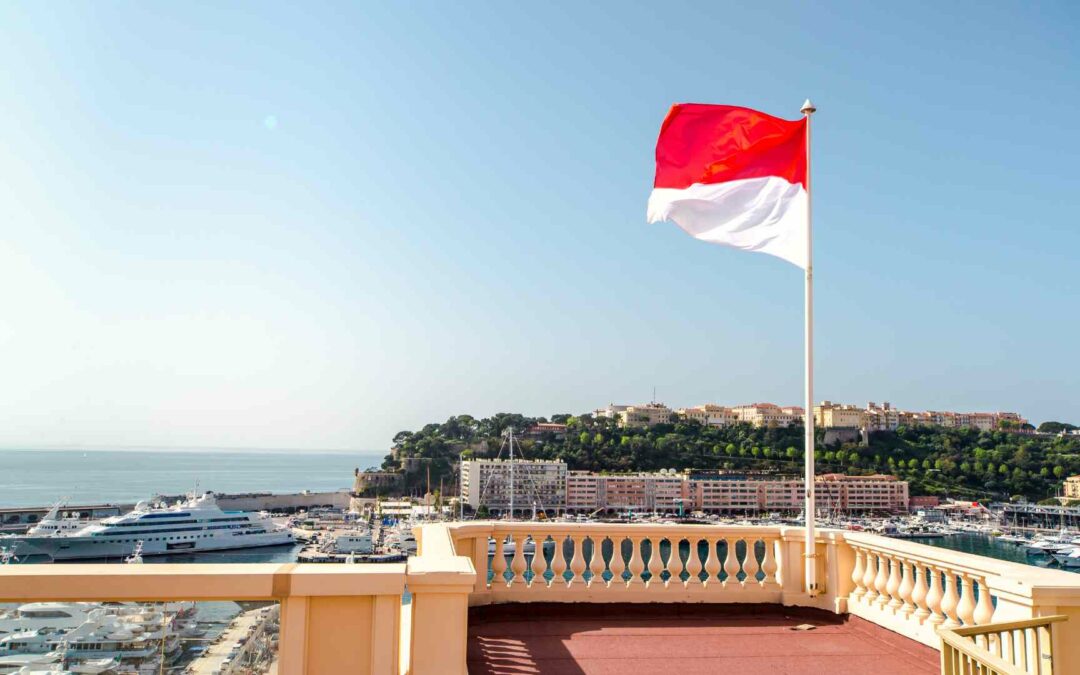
(910, 588)
(350, 618)
(334, 618)
(634, 563)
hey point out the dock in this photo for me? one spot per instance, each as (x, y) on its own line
(248, 645)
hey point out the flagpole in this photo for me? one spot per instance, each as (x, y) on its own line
(809, 554)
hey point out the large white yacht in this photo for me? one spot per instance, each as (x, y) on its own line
(197, 524)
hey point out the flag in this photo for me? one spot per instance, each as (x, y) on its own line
(734, 176)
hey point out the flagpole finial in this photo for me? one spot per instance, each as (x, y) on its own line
(808, 108)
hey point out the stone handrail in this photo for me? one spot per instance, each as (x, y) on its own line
(656, 563)
(915, 590)
(1009, 648)
(334, 618)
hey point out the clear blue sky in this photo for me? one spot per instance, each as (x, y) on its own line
(293, 225)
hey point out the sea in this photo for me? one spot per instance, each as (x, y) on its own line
(41, 477)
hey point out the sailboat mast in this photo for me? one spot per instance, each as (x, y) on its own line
(510, 435)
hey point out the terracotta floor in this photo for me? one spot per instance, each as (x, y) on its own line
(617, 639)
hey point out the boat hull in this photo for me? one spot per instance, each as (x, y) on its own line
(91, 548)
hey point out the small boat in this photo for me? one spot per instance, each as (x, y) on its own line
(136, 555)
(1069, 559)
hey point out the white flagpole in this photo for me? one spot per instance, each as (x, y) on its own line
(809, 555)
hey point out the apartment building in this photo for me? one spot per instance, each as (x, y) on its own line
(535, 483)
(582, 491)
(731, 494)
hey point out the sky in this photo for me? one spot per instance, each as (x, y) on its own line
(312, 225)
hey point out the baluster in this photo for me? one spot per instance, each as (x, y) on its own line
(693, 564)
(596, 563)
(673, 563)
(517, 563)
(538, 565)
(872, 560)
(965, 609)
(918, 592)
(950, 600)
(731, 563)
(577, 563)
(558, 561)
(498, 563)
(934, 596)
(881, 581)
(892, 586)
(750, 564)
(656, 564)
(768, 565)
(907, 586)
(712, 563)
(984, 607)
(618, 563)
(637, 564)
(857, 575)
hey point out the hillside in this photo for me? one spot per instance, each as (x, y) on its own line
(954, 462)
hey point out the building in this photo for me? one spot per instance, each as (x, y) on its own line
(710, 415)
(582, 491)
(1072, 487)
(829, 415)
(646, 415)
(611, 411)
(540, 429)
(884, 417)
(735, 493)
(768, 414)
(536, 484)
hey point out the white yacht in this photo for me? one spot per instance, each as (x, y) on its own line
(197, 524)
(51, 523)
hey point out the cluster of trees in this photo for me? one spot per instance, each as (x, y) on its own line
(964, 463)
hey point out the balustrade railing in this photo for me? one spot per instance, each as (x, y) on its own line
(1008, 648)
(599, 562)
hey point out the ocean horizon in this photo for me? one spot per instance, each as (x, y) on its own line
(37, 476)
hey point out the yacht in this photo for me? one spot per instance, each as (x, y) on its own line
(1069, 558)
(51, 523)
(197, 524)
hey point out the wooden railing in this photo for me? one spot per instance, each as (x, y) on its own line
(1009, 648)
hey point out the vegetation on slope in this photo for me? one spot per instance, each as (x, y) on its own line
(963, 463)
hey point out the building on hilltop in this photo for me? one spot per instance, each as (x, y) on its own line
(645, 415)
(829, 415)
(540, 429)
(769, 414)
(710, 415)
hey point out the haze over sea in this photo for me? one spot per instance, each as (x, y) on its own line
(39, 477)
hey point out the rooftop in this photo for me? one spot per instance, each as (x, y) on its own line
(588, 639)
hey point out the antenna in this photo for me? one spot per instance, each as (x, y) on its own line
(654, 393)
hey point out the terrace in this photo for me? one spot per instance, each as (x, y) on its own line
(667, 597)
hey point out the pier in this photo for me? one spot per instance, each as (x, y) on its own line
(248, 645)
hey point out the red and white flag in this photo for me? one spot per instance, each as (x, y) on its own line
(734, 176)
